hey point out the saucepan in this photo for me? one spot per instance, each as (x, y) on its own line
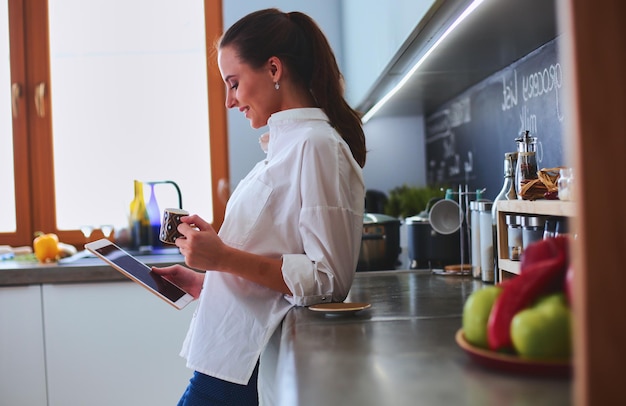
(380, 243)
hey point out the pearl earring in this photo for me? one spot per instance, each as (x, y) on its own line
(276, 85)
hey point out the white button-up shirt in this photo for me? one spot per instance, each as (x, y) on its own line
(304, 203)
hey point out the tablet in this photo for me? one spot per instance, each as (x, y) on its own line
(139, 272)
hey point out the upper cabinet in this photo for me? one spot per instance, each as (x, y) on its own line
(373, 32)
(453, 48)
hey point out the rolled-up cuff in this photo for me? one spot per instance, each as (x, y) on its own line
(301, 277)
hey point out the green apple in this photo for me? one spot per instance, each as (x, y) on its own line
(543, 331)
(476, 314)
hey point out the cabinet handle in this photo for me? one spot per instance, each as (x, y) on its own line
(40, 92)
(16, 93)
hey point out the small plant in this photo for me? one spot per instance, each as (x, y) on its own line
(406, 201)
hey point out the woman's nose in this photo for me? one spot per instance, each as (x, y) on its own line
(230, 101)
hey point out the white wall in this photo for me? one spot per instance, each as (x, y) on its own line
(244, 150)
(373, 32)
(396, 145)
(396, 153)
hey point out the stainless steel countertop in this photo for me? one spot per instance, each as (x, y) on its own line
(401, 351)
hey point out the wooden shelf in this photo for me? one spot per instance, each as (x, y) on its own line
(509, 266)
(540, 207)
(506, 267)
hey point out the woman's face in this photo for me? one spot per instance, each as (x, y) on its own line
(251, 91)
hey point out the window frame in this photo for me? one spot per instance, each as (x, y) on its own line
(32, 134)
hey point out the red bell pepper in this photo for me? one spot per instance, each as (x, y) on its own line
(538, 278)
(544, 249)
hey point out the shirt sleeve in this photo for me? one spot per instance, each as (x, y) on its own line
(330, 225)
(325, 273)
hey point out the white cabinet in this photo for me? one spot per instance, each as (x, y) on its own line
(96, 344)
(22, 364)
(113, 344)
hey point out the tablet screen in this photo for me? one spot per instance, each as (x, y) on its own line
(141, 271)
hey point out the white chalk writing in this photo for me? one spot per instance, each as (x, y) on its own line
(509, 92)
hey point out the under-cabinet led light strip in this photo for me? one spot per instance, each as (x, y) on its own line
(415, 67)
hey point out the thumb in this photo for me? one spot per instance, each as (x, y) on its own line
(197, 221)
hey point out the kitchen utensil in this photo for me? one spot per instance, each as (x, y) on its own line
(428, 249)
(446, 216)
(380, 243)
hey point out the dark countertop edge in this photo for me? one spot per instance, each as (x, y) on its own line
(84, 270)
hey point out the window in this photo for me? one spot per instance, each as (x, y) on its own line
(7, 183)
(109, 91)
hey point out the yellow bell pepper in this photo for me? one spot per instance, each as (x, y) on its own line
(46, 247)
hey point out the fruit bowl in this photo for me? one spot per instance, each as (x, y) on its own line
(513, 363)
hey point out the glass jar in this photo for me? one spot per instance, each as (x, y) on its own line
(565, 184)
(561, 227)
(549, 227)
(514, 236)
(532, 229)
(526, 165)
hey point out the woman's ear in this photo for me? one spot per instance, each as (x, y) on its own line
(276, 68)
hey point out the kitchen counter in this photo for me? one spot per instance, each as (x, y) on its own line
(80, 268)
(401, 351)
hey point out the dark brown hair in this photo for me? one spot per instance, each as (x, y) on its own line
(300, 44)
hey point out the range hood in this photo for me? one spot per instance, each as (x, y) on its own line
(494, 35)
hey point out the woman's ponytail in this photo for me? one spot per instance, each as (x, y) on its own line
(327, 87)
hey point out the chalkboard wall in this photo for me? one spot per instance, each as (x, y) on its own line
(467, 137)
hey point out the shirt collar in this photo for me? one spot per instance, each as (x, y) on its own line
(287, 117)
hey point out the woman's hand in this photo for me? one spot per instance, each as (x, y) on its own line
(188, 280)
(201, 246)
(203, 249)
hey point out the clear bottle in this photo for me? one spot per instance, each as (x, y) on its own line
(139, 220)
(154, 214)
(508, 188)
(506, 193)
(526, 167)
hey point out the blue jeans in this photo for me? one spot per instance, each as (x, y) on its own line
(204, 390)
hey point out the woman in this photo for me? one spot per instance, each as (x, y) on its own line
(292, 228)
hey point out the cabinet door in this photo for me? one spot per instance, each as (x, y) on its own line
(22, 366)
(113, 344)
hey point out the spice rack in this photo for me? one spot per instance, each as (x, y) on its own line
(506, 267)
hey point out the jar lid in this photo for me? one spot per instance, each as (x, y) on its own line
(512, 219)
(533, 221)
(484, 206)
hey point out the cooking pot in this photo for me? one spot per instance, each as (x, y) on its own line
(429, 249)
(380, 242)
